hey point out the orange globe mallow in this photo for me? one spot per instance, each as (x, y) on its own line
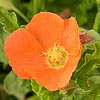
(48, 50)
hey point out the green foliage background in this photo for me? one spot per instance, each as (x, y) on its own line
(85, 82)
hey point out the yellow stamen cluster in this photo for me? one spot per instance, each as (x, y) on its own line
(56, 57)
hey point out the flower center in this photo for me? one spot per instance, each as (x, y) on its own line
(56, 57)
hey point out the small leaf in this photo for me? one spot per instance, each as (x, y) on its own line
(67, 97)
(40, 91)
(92, 35)
(43, 93)
(9, 5)
(34, 97)
(93, 81)
(8, 20)
(23, 26)
(82, 94)
(16, 86)
(84, 38)
(94, 84)
(78, 94)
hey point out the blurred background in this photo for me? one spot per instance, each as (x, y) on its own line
(84, 11)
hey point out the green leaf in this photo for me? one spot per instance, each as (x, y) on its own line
(9, 24)
(90, 55)
(8, 20)
(78, 94)
(3, 35)
(95, 71)
(96, 39)
(6, 4)
(23, 26)
(16, 86)
(93, 34)
(34, 97)
(67, 97)
(94, 84)
(90, 61)
(90, 51)
(93, 81)
(82, 94)
(43, 93)
(40, 91)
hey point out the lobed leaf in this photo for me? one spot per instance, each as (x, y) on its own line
(43, 93)
(3, 35)
(16, 86)
(90, 54)
(8, 20)
(9, 23)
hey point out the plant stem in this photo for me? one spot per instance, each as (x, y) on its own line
(97, 18)
(35, 6)
(21, 14)
(97, 22)
(43, 8)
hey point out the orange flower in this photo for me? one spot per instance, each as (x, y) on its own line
(47, 51)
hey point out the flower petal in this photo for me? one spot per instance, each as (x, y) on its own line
(71, 36)
(54, 79)
(47, 28)
(21, 48)
(69, 69)
(47, 77)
